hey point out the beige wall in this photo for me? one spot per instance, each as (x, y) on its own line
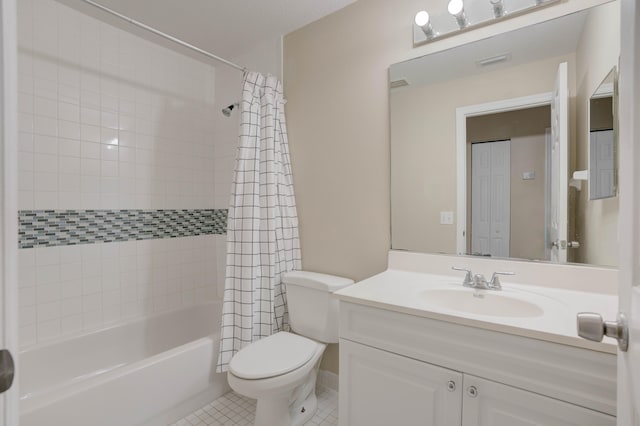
(336, 78)
(597, 220)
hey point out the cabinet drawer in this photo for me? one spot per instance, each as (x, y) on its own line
(579, 376)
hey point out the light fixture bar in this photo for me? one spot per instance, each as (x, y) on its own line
(434, 25)
(498, 8)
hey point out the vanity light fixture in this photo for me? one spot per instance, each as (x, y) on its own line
(423, 20)
(498, 8)
(456, 9)
(468, 14)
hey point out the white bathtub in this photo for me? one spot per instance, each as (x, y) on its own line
(149, 372)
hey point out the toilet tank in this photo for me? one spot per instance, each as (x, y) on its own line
(313, 309)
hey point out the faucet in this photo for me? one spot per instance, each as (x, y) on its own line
(495, 279)
(478, 281)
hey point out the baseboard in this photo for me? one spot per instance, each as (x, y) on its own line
(327, 379)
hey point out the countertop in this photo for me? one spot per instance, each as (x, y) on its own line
(402, 291)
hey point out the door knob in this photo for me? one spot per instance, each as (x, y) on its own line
(573, 244)
(7, 370)
(591, 326)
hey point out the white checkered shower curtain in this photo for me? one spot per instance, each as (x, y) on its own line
(262, 227)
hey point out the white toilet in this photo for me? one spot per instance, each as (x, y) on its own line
(280, 370)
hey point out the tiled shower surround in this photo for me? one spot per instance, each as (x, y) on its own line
(118, 131)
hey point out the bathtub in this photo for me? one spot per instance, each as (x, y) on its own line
(148, 372)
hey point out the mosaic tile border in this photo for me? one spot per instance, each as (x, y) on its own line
(48, 228)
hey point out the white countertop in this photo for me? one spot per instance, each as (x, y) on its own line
(400, 291)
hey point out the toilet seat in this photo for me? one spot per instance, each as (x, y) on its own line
(272, 356)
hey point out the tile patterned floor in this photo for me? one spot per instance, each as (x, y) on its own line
(232, 409)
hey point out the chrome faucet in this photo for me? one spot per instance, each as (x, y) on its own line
(468, 278)
(478, 281)
(495, 279)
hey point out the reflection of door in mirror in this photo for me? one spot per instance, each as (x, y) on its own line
(525, 128)
(490, 198)
(539, 226)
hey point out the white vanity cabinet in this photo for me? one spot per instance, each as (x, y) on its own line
(388, 389)
(486, 403)
(402, 369)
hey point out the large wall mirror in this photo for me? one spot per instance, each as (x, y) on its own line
(492, 144)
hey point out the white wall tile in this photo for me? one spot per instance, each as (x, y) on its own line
(27, 315)
(27, 296)
(48, 330)
(26, 200)
(45, 107)
(69, 129)
(48, 311)
(26, 180)
(45, 163)
(71, 324)
(28, 335)
(109, 120)
(69, 94)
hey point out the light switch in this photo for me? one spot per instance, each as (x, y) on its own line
(446, 218)
(528, 175)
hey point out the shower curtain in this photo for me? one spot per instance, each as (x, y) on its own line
(262, 225)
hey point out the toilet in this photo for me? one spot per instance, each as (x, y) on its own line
(280, 371)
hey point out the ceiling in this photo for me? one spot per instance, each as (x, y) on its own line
(227, 28)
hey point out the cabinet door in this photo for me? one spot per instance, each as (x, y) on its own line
(487, 403)
(381, 388)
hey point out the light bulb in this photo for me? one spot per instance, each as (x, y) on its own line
(424, 21)
(422, 18)
(456, 7)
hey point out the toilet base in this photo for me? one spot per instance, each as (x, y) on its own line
(305, 410)
(278, 411)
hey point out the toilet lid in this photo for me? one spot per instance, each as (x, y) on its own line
(272, 356)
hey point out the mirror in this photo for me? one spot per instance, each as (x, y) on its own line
(486, 137)
(602, 140)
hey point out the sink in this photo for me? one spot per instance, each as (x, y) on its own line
(482, 302)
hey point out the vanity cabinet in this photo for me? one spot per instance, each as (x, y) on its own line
(407, 370)
(486, 403)
(388, 389)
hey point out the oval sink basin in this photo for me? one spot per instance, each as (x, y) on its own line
(481, 302)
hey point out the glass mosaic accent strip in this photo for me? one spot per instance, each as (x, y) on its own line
(48, 228)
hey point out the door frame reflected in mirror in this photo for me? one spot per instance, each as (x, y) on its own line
(462, 113)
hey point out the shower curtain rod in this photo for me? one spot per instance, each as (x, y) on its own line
(166, 36)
